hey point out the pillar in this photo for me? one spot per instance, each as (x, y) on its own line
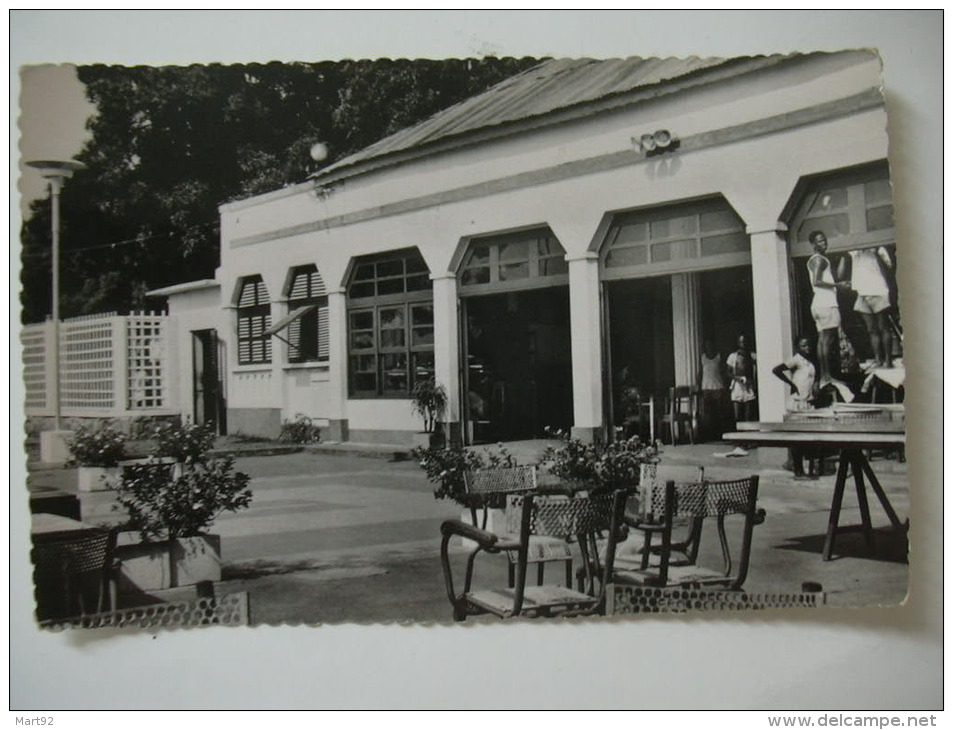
(337, 366)
(447, 350)
(686, 327)
(770, 274)
(586, 335)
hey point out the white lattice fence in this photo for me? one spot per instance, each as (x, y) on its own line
(34, 340)
(111, 366)
(88, 353)
(146, 345)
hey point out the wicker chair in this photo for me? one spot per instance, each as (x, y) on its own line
(584, 517)
(680, 416)
(74, 573)
(488, 489)
(677, 564)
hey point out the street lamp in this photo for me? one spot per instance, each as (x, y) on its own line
(56, 172)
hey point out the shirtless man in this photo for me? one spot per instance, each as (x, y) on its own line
(824, 308)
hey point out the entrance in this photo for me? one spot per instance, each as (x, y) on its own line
(644, 333)
(208, 395)
(518, 375)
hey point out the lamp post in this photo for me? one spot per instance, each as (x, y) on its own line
(56, 172)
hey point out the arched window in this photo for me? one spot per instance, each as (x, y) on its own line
(853, 209)
(521, 260)
(390, 324)
(307, 333)
(254, 317)
(680, 237)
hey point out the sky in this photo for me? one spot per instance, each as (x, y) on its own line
(53, 114)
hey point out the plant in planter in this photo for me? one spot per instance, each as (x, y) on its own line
(97, 453)
(599, 467)
(302, 430)
(429, 401)
(171, 509)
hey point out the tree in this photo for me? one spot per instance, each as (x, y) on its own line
(171, 144)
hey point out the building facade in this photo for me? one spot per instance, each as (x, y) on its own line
(527, 247)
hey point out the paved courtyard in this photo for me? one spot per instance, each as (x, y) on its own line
(334, 538)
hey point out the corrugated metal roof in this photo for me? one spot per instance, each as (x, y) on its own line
(552, 86)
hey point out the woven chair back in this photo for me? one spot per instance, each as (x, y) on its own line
(563, 517)
(706, 499)
(73, 555)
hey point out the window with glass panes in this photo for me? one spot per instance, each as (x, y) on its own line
(308, 335)
(513, 261)
(853, 209)
(390, 325)
(254, 317)
(684, 234)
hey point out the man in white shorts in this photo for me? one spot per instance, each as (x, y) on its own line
(867, 267)
(824, 307)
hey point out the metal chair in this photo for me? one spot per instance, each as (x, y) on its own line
(584, 518)
(677, 563)
(681, 413)
(488, 489)
(74, 573)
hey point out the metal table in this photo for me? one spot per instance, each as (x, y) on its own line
(850, 440)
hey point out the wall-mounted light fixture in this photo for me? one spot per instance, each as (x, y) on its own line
(656, 143)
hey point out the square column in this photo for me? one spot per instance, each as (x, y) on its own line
(447, 349)
(337, 366)
(586, 334)
(770, 273)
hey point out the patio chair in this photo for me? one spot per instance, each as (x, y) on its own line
(680, 416)
(678, 564)
(581, 517)
(488, 489)
(74, 574)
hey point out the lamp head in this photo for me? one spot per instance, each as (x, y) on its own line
(56, 169)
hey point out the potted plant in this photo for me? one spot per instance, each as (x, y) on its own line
(97, 452)
(445, 468)
(599, 467)
(170, 510)
(429, 401)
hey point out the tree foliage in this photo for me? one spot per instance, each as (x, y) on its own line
(171, 144)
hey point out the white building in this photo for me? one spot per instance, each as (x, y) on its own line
(527, 244)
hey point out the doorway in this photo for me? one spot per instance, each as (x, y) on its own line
(518, 374)
(208, 393)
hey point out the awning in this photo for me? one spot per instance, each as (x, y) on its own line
(288, 319)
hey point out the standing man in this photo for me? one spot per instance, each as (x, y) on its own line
(824, 310)
(798, 372)
(867, 278)
(741, 367)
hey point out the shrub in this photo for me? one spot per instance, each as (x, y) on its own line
(103, 446)
(429, 401)
(185, 442)
(162, 506)
(599, 467)
(301, 430)
(445, 467)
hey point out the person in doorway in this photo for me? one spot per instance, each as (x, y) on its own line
(711, 383)
(824, 309)
(868, 277)
(741, 368)
(799, 373)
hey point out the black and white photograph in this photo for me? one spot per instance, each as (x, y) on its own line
(465, 341)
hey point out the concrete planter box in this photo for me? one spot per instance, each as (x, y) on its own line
(435, 440)
(152, 566)
(97, 478)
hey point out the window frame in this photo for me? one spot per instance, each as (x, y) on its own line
(404, 302)
(257, 315)
(316, 295)
(495, 263)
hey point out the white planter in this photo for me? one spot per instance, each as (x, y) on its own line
(152, 566)
(97, 478)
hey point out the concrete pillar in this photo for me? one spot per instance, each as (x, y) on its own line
(337, 366)
(447, 349)
(686, 327)
(586, 334)
(770, 267)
